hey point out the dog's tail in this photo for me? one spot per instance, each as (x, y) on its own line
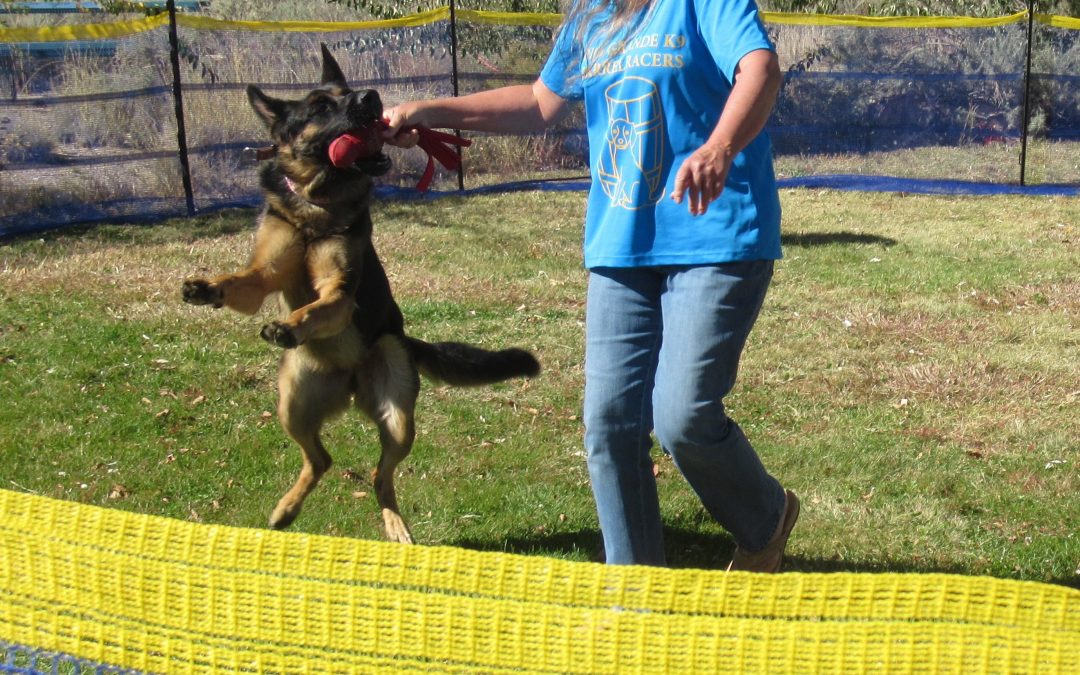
(465, 365)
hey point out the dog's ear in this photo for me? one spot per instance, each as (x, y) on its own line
(269, 109)
(331, 71)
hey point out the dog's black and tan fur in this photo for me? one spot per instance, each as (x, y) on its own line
(342, 332)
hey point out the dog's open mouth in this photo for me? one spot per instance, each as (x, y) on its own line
(360, 148)
(356, 151)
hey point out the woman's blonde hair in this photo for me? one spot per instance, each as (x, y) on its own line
(581, 13)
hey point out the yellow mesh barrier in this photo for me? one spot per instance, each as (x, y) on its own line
(162, 595)
(857, 21)
(1068, 22)
(89, 31)
(201, 22)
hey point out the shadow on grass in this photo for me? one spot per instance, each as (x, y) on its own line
(693, 549)
(834, 238)
(683, 548)
(580, 545)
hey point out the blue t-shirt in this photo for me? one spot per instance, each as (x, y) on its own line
(651, 99)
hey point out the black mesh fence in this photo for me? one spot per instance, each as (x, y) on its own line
(1054, 110)
(89, 130)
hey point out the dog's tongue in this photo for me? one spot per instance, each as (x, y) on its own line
(354, 145)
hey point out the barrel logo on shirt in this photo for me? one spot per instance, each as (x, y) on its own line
(631, 164)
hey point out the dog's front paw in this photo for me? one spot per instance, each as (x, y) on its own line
(279, 334)
(202, 292)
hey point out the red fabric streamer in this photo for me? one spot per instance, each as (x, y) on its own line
(438, 146)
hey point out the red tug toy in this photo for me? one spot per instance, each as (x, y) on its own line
(354, 145)
(367, 141)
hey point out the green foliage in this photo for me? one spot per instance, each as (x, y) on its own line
(383, 9)
(274, 10)
(130, 7)
(378, 9)
(801, 6)
(545, 6)
(189, 54)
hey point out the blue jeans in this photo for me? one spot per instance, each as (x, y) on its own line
(662, 349)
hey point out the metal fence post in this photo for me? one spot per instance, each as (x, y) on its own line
(178, 100)
(1027, 92)
(454, 82)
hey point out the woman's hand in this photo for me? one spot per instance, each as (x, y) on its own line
(396, 119)
(702, 175)
(757, 82)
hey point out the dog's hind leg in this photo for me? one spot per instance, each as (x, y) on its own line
(307, 398)
(387, 393)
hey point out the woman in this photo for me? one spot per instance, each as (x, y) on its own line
(682, 228)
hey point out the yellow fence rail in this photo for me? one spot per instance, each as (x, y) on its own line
(162, 595)
(117, 29)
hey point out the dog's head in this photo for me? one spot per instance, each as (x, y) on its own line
(304, 129)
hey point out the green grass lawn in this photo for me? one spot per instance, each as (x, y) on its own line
(914, 376)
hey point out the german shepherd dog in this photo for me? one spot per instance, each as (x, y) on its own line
(342, 334)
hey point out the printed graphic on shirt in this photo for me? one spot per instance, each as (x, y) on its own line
(631, 167)
(651, 50)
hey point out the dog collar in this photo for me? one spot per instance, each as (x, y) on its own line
(252, 155)
(295, 188)
(269, 152)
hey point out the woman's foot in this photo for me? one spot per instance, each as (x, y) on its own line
(769, 558)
